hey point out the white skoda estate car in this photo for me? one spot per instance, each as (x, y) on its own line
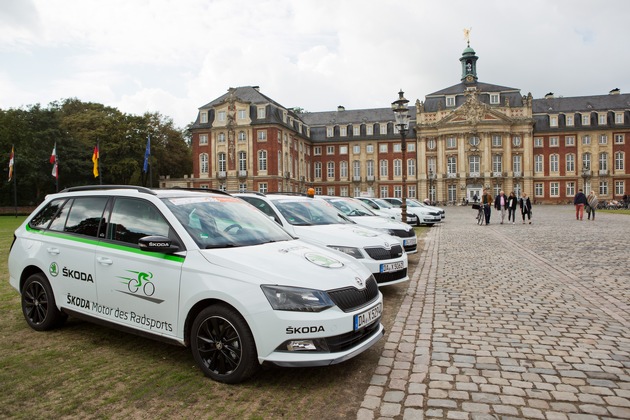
(318, 222)
(201, 269)
(361, 214)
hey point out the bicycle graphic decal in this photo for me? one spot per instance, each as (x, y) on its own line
(141, 281)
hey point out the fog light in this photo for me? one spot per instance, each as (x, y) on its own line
(301, 345)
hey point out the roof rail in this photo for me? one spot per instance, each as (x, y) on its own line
(109, 187)
(208, 190)
(246, 192)
(287, 193)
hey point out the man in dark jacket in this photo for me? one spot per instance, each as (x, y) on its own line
(486, 201)
(579, 201)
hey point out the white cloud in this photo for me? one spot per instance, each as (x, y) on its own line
(172, 56)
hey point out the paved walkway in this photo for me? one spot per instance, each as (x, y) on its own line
(512, 321)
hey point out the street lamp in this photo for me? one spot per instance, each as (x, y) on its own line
(401, 112)
(431, 177)
(586, 174)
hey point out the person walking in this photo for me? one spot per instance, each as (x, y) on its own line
(500, 203)
(579, 201)
(511, 206)
(592, 205)
(526, 208)
(486, 200)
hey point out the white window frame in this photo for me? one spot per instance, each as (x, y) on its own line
(369, 130)
(601, 118)
(569, 162)
(383, 128)
(570, 189)
(554, 189)
(620, 160)
(261, 112)
(356, 130)
(369, 149)
(397, 167)
(569, 141)
(586, 139)
(554, 141)
(495, 98)
(204, 166)
(539, 164)
(343, 150)
(262, 135)
(383, 168)
(317, 151)
(538, 142)
(356, 149)
(451, 142)
(203, 139)
(619, 138)
(383, 148)
(569, 120)
(553, 121)
(619, 117)
(450, 101)
(317, 170)
(586, 119)
(497, 140)
(603, 139)
(262, 160)
(343, 169)
(554, 163)
(330, 150)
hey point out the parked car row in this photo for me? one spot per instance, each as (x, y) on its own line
(294, 283)
(420, 212)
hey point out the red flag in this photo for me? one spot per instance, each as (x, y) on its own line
(11, 164)
(53, 160)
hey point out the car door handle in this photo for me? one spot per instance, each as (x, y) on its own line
(54, 251)
(104, 260)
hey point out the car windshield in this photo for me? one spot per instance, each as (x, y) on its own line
(351, 207)
(415, 203)
(383, 203)
(309, 212)
(224, 221)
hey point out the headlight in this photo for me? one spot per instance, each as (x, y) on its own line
(284, 298)
(353, 252)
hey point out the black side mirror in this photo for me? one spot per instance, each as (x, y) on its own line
(158, 244)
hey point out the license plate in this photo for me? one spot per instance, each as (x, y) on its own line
(366, 318)
(389, 267)
(410, 241)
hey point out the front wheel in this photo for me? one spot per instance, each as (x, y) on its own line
(223, 345)
(38, 304)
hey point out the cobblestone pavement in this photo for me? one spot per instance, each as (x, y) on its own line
(512, 321)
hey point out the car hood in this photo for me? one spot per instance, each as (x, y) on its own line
(377, 222)
(343, 235)
(290, 262)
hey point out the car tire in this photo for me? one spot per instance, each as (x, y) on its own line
(38, 304)
(223, 345)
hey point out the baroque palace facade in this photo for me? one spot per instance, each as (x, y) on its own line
(461, 139)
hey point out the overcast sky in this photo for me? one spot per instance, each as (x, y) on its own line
(174, 56)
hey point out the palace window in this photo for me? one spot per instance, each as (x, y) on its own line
(203, 139)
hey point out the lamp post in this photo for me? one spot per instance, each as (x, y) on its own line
(401, 112)
(586, 174)
(431, 177)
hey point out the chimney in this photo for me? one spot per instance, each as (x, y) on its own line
(549, 95)
(257, 88)
(341, 108)
(615, 91)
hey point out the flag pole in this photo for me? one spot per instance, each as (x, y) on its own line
(14, 181)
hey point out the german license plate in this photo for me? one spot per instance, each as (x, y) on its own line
(409, 242)
(389, 267)
(366, 318)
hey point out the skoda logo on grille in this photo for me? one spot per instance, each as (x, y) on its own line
(359, 281)
(388, 246)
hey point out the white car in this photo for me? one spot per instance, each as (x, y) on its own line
(201, 269)
(385, 209)
(318, 222)
(397, 202)
(361, 214)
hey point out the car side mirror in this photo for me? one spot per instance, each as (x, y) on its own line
(158, 244)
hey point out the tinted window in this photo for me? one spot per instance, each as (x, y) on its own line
(85, 216)
(134, 219)
(44, 217)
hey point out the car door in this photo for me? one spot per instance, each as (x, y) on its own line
(69, 246)
(135, 287)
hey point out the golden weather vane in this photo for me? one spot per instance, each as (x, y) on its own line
(467, 35)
